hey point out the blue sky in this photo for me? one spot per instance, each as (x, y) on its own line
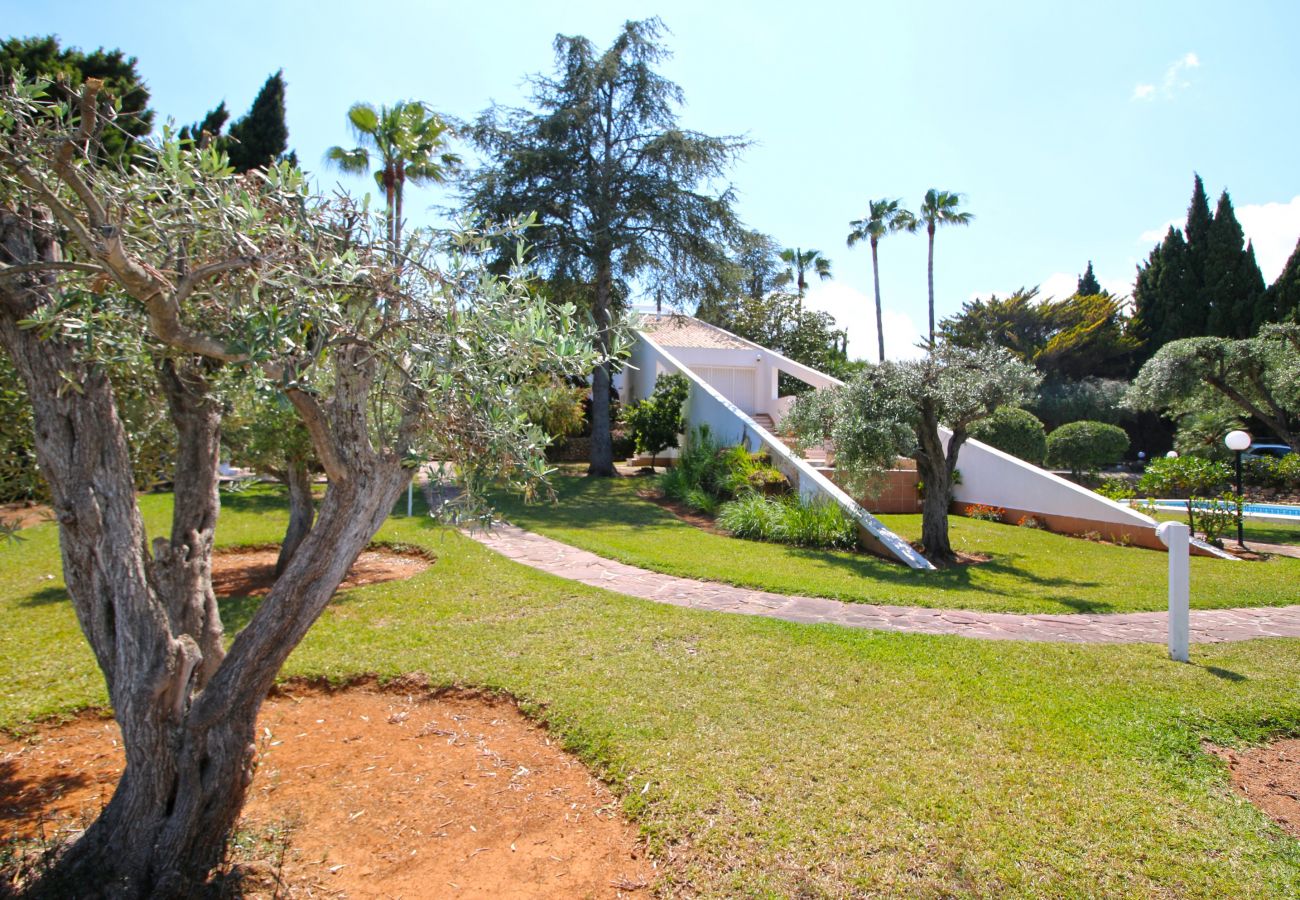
(1072, 130)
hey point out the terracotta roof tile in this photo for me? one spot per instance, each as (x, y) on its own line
(685, 331)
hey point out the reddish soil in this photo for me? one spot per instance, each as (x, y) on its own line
(25, 515)
(250, 571)
(370, 792)
(682, 511)
(1268, 777)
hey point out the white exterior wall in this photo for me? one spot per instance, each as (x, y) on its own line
(989, 476)
(730, 426)
(995, 478)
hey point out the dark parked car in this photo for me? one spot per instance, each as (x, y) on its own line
(1273, 451)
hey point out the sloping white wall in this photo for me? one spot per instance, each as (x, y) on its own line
(995, 478)
(730, 426)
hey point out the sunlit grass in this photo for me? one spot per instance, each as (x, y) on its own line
(768, 759)
(1030, 571)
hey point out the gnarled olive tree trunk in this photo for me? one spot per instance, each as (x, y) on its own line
(936, 468)
(187, 710)
(302, 511)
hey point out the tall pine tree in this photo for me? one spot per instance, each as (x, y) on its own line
(70, 67)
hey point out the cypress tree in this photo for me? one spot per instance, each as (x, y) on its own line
(1282, 299)
(212, 123)
(258, 139)
(1197, 234)
(1232, 283)
(1088, 284)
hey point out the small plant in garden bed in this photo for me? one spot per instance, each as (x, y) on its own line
(984, 512)
(707, 475)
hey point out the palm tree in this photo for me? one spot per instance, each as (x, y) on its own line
(800, 263)
(410, 141)
(883, 217)
(939, 208)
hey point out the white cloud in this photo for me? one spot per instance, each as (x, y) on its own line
(1273, 228)
(1156, 235)
(855, 312)
(1175, 80)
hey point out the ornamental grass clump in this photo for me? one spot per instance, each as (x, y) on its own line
(788, 520)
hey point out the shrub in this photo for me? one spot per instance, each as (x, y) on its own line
(1013, 431)
(1217, 515)
(1192, 477)
(721, 473)
(656, 421)
(554, 406)
(788, 520)
(1086, 446)
(1115, 489)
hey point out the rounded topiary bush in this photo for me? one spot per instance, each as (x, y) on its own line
(1086, 446)
(1013, 431)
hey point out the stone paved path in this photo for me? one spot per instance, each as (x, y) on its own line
(1207, 626)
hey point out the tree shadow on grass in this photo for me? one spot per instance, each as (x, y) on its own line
(263, 499)
(44, 597)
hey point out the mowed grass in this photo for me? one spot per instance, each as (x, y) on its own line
(1030, 571)
(767, 759)
(1267, 531)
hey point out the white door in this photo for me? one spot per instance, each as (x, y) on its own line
(734, 383)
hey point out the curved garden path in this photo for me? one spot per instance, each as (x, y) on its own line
(1207, 626)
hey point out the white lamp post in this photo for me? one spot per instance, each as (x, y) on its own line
(1238, 441)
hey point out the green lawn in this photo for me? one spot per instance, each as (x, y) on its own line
(1030, 571)
(777, 760)
(1268, 531)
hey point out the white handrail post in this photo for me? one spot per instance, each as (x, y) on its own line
(410, 497)
(1177, 537)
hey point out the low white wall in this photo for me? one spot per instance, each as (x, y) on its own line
(995, 478)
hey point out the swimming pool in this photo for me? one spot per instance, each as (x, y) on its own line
(1279, 511)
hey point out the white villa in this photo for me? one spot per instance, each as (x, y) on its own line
(734, 390)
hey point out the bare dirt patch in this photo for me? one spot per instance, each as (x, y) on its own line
(1268, 777)
(370, 792)
(682, 511)
(250, 571)
(25, 515)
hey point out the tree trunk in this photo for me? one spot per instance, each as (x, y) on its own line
(880, 322)
(936, 469)
(302, 512)
(602, 441)
(929, 274)
(187, 714)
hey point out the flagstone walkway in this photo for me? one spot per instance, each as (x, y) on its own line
(1207, 626)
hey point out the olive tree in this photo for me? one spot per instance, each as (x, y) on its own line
(903, 408)
(1259, 376)
(205, 276)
